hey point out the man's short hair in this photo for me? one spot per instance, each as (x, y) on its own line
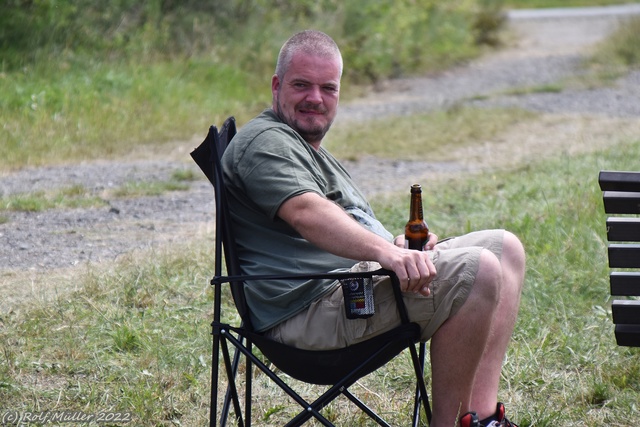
(310, 42)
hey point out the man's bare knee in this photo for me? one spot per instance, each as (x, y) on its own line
(513, 263)
(489, 278)
(513, 252)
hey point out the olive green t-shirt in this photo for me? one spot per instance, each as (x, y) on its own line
(266, 164)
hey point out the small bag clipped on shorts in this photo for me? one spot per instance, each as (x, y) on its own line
(358, 297)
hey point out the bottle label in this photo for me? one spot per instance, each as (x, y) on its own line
(358, 297)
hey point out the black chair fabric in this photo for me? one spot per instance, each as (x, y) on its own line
(336, 368)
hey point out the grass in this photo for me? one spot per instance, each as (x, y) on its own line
(77, 196)
(430, 136)
(545, 88)
(564, 3)
(112, 345)
(63, 113)
(136, 337)
(155, 188)
(614, 56)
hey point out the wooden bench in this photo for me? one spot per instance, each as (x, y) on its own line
(621, 196)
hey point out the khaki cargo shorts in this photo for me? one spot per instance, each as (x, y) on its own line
(324, 325)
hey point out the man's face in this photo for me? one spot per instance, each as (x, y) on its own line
(307, 98)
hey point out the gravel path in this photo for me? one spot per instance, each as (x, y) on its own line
(546, 48)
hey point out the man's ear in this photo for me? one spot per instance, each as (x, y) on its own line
(275, 85)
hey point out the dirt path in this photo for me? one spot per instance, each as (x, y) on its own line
(546, 47)
(41, 252)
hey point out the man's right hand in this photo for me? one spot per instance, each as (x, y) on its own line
(414, 269)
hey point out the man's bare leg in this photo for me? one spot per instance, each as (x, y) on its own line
(485, 389)
(458, 345)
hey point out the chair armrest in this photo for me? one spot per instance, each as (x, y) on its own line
(323, 275)
(395, 283)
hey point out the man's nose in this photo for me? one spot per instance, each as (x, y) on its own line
(314, 95)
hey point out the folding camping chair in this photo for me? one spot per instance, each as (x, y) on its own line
(337, 369)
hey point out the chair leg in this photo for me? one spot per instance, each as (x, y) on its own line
(248, 385)
(215, 359)
(342, 387)
(308, 408)
(226, 406)
(421, 396)
(231, 388)
(364, 408)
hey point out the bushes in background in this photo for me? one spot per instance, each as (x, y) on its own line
(379, 38)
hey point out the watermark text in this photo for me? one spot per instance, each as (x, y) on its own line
(43, 417)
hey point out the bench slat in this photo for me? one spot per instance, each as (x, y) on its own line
(624, 255)
(626, 312)
(628, 335)
(623, 229)
(621, 195)
(625, 283)
(616, 202)
(619, 181)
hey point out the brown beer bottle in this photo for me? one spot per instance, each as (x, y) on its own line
(416, 232)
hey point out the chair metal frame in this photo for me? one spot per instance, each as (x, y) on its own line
(346, 365)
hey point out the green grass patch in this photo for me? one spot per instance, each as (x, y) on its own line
(153, 188)
(179, 181)
(75, 196)
(60, 113)
(523, 4)
(184, 175)
(136, 337)
(619, 53)
(546, 88)
(429, 137)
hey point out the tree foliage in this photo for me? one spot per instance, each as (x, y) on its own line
(379, 38)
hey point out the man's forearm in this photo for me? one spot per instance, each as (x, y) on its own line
(328, 226)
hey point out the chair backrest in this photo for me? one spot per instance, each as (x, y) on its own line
(209, 157)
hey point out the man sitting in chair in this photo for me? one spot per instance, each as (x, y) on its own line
(296, 210)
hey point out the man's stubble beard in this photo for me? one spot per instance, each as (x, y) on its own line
(316, 134)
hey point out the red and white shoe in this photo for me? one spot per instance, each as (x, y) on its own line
(470, 419)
